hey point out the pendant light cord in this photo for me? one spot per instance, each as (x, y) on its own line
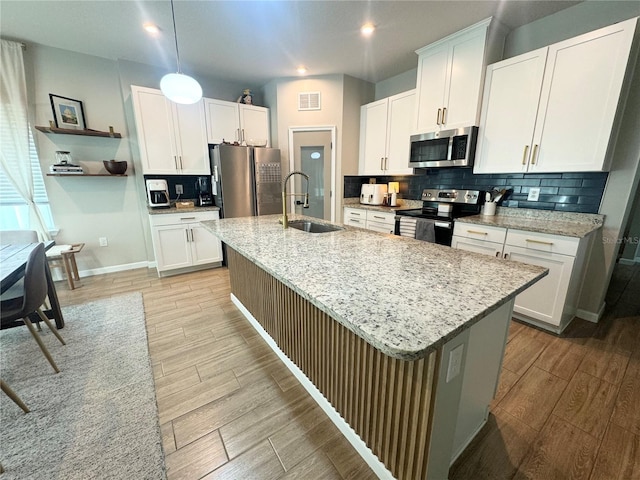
(175, 36)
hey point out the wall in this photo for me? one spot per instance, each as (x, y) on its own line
(87, 208)
(398, 84)
(341, 98)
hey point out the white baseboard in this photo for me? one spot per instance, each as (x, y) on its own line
(57, 274)
(367, 455)
(591, 316)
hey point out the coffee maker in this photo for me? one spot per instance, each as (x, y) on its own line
(158, 193)
(203, 192)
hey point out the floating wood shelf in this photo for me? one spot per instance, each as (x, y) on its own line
(85, 175)
(85, 133)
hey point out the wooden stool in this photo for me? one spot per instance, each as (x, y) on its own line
(65, 256)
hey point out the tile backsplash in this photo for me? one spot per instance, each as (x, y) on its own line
(566, 192)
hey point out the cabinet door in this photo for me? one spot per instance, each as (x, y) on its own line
(464, 79)
(400, 118)
(580, 94)
(545, 299)
(431, 82)
(373, 137)
(223, 121)
(380, 227)
(172, 246)
(254, 123)
(191, 133)
(154, 124)
(205, 246)
(492, 249)
(512, 91)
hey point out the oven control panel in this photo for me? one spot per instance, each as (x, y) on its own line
(451, 196)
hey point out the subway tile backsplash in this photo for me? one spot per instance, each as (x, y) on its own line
(566, 192)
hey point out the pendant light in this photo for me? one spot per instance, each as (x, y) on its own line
(178, 87)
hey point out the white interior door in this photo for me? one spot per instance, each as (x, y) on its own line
(310, 151)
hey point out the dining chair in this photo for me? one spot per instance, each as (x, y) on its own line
(13, 396)
(35, 290)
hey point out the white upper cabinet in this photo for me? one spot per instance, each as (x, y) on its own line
(385, 128)
(171, 137)
(450, 77)
(577, 98)
(235, 122)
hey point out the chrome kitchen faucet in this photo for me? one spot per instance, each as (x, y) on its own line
(285, 220)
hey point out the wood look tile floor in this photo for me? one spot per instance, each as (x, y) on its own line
(568, 407)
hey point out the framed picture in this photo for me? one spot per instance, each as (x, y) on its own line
(67, 112)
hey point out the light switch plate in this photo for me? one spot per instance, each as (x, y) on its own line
(534, 193)
(455, 362)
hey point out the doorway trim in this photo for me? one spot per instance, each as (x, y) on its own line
(318, 128)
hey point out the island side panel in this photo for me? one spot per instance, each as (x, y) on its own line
(387, 401)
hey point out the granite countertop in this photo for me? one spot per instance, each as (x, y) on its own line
(403, 296)
(404, 205)
(542, 221)
(173, 209)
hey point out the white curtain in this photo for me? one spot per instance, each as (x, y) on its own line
(14, 154)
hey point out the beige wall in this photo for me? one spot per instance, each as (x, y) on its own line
(86, 208)
(340, 100)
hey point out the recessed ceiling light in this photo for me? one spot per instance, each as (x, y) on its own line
(301, 70)
(367, 29)
(151, 28)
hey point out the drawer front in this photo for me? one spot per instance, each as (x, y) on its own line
(381, 227)
(381, 217)
(355, 213)
(356, 222)
(181, 218)
(543, 242)
(480, 232)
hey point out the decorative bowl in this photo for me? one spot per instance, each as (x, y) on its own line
(257, 142)
(115, 167)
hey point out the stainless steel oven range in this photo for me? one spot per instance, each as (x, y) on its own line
(434, 221)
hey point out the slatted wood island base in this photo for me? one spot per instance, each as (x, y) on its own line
(413, 419)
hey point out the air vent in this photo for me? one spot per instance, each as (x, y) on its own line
(309, 101)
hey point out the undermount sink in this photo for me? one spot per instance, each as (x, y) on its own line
(313, 227)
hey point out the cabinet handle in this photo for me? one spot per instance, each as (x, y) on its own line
(444, 115)
(438, 116)
(187, 218)
(191, 234)
(538, 241)
(181, 167)
(386, 163)
(355, 220)
(497, 254)
(381, 218)
(238, 134)
(506, 256)
(175, 161)
(187, 233)
(354, 213)
(243, 135)
(533, 155)
(524, 154)
(381, 163)
(477, 232)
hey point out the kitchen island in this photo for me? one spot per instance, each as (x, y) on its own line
(403, 338)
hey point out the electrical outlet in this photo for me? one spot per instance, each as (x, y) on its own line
(455, 362)
(179, 189)
(534, 193)
(103, 241)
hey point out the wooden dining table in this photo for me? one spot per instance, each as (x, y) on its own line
(13, 261)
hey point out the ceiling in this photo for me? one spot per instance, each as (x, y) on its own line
(255, 41)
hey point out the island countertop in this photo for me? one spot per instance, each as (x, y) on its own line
(403, 296)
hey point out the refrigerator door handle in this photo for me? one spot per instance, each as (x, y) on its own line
(215, 173)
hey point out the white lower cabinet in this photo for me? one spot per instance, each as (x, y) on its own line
(383, 222)
(180, 242)
(550, 303)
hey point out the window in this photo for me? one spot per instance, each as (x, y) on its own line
(14, 213)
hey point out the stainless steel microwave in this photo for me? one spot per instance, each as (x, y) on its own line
(446, 148)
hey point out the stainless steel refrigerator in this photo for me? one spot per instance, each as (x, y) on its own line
(247, 181)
